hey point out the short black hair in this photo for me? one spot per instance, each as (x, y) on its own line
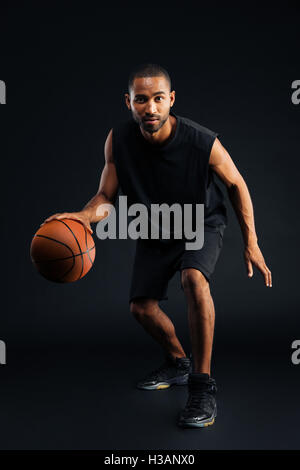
(148, 70)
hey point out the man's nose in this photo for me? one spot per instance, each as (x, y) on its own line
(151, 107)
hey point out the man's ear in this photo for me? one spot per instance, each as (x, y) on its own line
(172, 97)
(127, 100)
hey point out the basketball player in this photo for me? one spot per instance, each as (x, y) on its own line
(160, 157)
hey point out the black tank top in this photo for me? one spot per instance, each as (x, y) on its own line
(176, 172)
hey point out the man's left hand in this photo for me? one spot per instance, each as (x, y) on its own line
(253, 255)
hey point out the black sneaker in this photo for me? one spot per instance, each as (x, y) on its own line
(171, 372)
(201, 408)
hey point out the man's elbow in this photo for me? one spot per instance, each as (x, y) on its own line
(107, 198)
(235, 183)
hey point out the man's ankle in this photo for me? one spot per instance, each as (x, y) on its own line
(175, 356)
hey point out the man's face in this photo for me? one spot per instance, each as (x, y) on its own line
(150, 101)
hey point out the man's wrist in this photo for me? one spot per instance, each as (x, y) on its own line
(87, 212)
(251, 242)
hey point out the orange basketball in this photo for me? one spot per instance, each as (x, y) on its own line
(63, 250)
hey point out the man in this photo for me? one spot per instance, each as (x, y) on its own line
(159, 157)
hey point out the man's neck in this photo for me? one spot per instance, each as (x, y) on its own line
(164, 134)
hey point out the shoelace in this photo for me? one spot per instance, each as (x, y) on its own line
(199, 396)
(156, 372)
(164, 369)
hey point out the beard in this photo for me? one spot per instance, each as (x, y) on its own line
(150, 127)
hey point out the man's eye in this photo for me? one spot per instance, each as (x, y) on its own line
(159, 97)
(139, 100)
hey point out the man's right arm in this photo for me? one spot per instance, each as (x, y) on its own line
(106, 194)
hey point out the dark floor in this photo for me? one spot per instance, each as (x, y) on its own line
(80, 397)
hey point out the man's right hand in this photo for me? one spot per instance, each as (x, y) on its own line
(81, 216)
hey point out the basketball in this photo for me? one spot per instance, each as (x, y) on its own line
(63, 250)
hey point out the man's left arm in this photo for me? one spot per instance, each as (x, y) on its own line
(222, 164)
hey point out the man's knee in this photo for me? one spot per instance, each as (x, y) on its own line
(194, 282)
(140, 307)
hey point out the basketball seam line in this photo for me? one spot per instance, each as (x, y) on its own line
(57, 241)
(87, 247)
(77, 244)
(64, 244)
(67, 257)
(68, 270)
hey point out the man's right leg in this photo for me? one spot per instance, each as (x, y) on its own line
(175, 370)
(154, 265)
(148, 313)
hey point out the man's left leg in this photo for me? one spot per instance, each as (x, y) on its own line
(201, 407)
(201, 317)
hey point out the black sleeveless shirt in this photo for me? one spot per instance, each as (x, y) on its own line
(176, 172)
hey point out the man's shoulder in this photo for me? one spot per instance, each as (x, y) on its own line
(196, 127)
(196, 134)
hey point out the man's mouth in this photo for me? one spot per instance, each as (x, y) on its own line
(151, 120)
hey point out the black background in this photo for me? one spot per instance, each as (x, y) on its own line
(74, 352)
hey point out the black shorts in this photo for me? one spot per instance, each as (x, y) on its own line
(156, 262)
